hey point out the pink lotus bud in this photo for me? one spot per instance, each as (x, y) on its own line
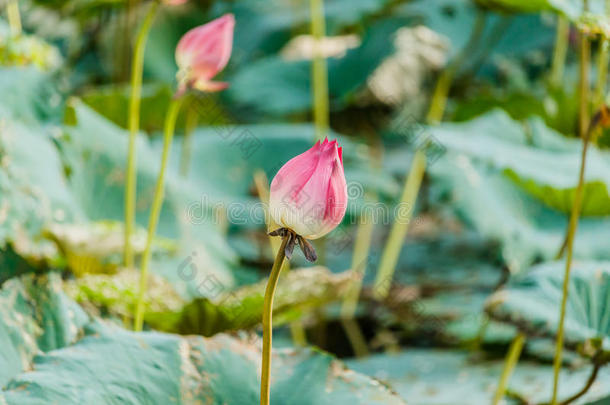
(203, 52)
(174, 2)
(309, 193)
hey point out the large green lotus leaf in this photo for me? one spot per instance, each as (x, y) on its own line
(445, 260)
(523, 6)
(35, 315)
(224, 310)
(113, 103)
(557, 106)
(116, 295)
(442, 377)
(27, 95)
(538, 159)
(95, 151)
(298, 291)
(13, 264)
(97, 247)
(275, 86)
(112, 366)
(500, 210)
(457, 317)
(285, 14)
(572, 9)
(532, 302)
(264, 26)
(455, 20)
(452, 18)
(519, 104)
(593, 21)
(33, 189)
(284, 85)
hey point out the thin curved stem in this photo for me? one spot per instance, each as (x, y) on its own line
(155, 211)
(576, 207)
(512, 358)
(137, 65)
(268, 321)
(319, 71)
(585, 62)
(572, 226)
(588, 385)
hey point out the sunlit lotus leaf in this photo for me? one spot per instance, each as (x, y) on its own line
(532, 303)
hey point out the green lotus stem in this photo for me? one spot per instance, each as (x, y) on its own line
(398, 232)
(14, 18)
(192, 117)
(440, 94)
(355, 336)
(137, 64)
(391, 251)
(585, 61)
(222, 220)
(602, 71)
(155, 211)
(602, 65)
(560, 51)
(512, 358)
(319, 70)
(261, 182)
(576, 207)
(268, 322)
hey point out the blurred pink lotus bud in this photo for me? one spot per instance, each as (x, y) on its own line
(203, 52)
(309, 193)
(174, 2)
